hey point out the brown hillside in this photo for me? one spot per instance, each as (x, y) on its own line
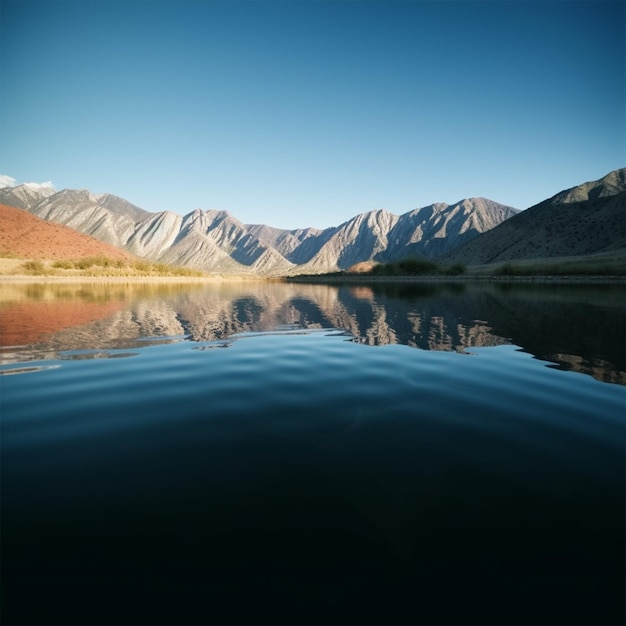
(27, 236)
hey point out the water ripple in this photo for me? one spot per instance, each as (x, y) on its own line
(304, 451)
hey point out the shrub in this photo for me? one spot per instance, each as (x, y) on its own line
(379, 270)
(35, 267)
(406, 267)
(505, 270)
(142, 266)
(83, 264)
(103, 266)
(415, 266)
(63, 265)
(455, 270)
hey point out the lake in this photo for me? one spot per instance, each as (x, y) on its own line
(269, 453)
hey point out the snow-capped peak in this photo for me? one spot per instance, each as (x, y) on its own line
(38, 186)
(9, 181)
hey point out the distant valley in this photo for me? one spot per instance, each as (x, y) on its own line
(587, 219)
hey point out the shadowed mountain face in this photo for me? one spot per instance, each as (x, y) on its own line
(215, 241)
(587, 219)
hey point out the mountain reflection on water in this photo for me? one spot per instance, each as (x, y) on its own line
(577, 327)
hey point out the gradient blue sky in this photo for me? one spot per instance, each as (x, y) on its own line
(297, 113)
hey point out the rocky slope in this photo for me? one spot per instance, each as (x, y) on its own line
(25, 196)
(584, 220)
(382, 236)
(216, 241)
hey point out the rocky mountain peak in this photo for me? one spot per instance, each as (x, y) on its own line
(610, 185)
(214, 240)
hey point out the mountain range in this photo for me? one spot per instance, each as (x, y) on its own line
(586, 219)
(216, 241)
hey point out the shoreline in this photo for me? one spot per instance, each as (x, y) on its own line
(25, 278)
(332, 280)
(482, 278)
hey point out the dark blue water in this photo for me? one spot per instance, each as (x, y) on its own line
(227, 455)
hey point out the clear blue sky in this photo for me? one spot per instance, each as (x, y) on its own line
(295, 113)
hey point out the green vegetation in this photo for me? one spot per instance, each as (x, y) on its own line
(587, 266)
(415, 267)
(89, 262)
(601, 266)
(36, 267)
(96, 266)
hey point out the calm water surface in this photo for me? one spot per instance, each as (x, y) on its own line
(287, 453)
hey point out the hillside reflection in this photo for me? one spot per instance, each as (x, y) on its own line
(581, 328)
